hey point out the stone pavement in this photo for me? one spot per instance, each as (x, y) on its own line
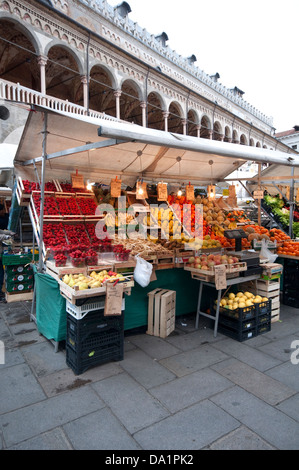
(190, 391)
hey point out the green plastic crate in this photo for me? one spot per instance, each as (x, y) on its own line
(13, 260)
(19, 286)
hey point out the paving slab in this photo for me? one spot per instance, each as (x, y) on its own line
(31, 421)
(51, 440)
(261, 385)
(241, 439)
(185, 391)
(245, 353)
(269, 423)
(191, 361)
(99, 431)
(291, 407)
(12, 357)
(154, 346)
(19, 388)
(280, 348)
(287, 373)
(42, 358)
(193, 340)
(130, 402)
(192, 428)
(146, 370)
(65, 380)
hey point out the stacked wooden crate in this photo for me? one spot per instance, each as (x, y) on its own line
(270, 289)
(161, 312)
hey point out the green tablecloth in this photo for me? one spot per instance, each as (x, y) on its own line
(50, 307)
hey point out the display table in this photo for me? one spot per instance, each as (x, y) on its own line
(230, 282)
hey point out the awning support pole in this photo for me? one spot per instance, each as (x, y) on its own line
(292, 203)
(42, 194)
(259, 217)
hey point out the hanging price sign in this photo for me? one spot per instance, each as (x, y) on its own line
(189, 192)
(162, 192)
(115, 188)
(114, 299)
(220, 277)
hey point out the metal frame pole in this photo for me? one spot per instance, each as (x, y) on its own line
(42, 201)
(292, 203)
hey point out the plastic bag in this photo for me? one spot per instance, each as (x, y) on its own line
(142, 272)
(266, 253)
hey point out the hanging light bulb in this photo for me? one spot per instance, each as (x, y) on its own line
(140, 191)
(211, 192)
(180, 192)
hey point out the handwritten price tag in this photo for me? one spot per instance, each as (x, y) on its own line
(220, 277)
(114, 299)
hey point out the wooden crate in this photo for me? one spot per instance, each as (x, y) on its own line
(164, 261)
(18, 297)
(275, 315)
(73, 294)
(182, 257)
(161, 312)
(22, 197)
(268, 285)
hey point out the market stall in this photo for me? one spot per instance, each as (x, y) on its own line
(60, 154)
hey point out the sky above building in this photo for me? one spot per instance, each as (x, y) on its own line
(251, 44)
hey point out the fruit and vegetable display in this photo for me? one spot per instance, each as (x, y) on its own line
(289, 248)
(207, 262)
(94, 280)
(241, 300)
(281, 211)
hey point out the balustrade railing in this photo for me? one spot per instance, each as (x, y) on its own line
(16, 92)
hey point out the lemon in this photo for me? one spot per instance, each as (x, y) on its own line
(231, 296)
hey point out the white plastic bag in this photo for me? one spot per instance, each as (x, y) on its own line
(142, 272)
(266, 253)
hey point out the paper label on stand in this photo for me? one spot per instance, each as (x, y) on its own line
(220, 277)
(114, 298)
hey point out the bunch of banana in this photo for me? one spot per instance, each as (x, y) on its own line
(110, 220)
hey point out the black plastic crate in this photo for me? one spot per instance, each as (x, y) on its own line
(94, 321)
(237, 334)
(94, 349)
(290, 297)
(240, 314)
(264, 308)
(236, 324)
(264, 327)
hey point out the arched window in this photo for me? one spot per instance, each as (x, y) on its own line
(18, 56)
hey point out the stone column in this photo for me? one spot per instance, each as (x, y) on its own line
(42, 62)
(210, 134)
(165, 116)
(117, 95)
(143, 110)
(184, 124)
(198, 130)
(84, 81)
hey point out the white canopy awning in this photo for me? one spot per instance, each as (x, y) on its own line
(101, 149)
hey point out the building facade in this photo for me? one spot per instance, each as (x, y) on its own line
(87, 57)
(290, 138)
